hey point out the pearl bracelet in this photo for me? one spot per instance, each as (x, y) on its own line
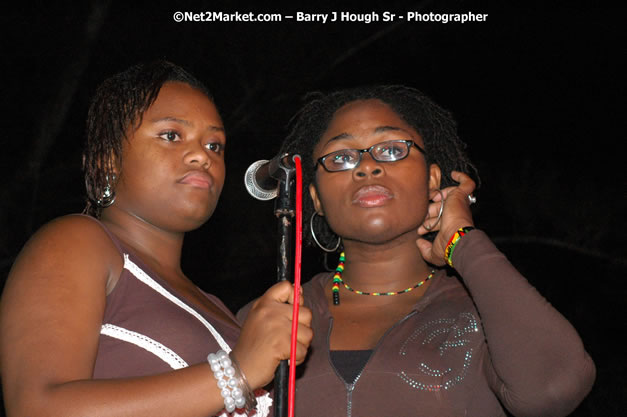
(233, 385)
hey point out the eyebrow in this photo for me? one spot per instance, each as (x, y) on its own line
(185, 122)
(379, 129)
(340, 136)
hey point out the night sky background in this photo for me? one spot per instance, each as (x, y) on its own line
(537, 91)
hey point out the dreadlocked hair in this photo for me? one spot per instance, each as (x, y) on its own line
(435, 125)
(116, 110)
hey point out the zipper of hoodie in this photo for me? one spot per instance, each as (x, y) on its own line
(351, 387)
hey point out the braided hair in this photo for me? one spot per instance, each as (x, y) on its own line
(435, 125)
(116, 110)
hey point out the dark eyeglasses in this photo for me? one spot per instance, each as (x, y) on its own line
(388, 151)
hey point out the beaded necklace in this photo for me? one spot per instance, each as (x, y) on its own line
(337, 280)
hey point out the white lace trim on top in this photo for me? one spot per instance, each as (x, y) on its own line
(143, 277)
(264, 402)
(144, 342)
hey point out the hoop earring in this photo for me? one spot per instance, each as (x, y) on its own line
(313, 234)
(439, 214)
(108, 195)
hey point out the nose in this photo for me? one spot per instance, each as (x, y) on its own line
(196, 154)
(368, 167)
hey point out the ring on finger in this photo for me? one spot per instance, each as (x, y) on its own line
(471, 199)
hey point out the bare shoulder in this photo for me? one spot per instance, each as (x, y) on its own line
(71, 237)
(60, 276)
(64, 247)
(53, 304)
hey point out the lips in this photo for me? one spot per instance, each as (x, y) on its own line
(197, 179)
(372, 196)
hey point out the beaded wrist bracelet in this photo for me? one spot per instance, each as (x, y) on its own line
(452, 243)
(232, 383)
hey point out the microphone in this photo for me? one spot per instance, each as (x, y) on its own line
(262, 177)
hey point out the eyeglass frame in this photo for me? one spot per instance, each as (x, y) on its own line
(409, 143)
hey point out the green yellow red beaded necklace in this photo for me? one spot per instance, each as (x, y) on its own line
(337, 280)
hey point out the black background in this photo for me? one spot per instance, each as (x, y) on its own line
(537, 91)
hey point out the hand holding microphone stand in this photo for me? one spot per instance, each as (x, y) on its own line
(266, 180)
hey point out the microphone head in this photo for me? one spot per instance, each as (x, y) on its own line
(253, 188)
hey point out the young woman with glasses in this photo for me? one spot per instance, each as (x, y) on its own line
(423, 316)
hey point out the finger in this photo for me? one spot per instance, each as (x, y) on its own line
(434, 227)
(280, 292)
(434, 210)
(286, 311)
(466, 184)
(430, 224)
(448, 190)
(300, 298)
(426, 250)
(437, 195)
(425, 247)
(301, 353)
(305, 316)
(305, 335)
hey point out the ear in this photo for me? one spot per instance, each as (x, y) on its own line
(313, 193)
(435, 177)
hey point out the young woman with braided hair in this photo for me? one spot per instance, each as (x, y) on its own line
(97, 318)
(397, 331)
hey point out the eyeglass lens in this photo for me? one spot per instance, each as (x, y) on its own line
(388, 151)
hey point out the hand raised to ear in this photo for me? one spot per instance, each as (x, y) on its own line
(455, 215)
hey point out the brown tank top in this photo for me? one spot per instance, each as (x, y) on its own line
(148, 328)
